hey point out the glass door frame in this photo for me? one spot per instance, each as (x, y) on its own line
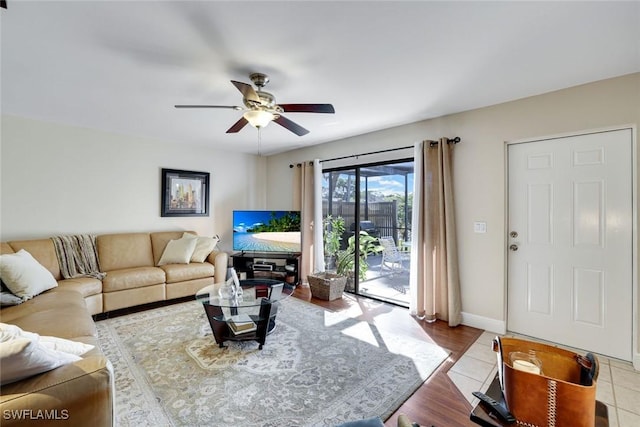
(355, 171)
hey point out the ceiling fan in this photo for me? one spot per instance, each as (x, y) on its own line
(261, 108)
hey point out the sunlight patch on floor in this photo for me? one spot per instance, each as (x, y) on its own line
(363, 332)
(333, 318)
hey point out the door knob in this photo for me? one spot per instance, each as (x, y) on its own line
(513, 248)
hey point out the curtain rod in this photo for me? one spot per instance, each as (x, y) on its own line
(454, 140)
(367, 154)
(299, 165)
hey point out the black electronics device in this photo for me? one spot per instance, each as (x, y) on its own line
(499, 408)
(262, 267)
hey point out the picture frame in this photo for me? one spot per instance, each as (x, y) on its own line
(184, 193)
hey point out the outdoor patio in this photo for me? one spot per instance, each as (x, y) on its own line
(385, 283)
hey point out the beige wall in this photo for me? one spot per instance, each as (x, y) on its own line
(58, 179)
(479, 169)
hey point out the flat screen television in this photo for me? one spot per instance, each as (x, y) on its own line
(266, 231)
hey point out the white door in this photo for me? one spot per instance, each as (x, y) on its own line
(570, 241)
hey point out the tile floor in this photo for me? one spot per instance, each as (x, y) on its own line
(618, 384)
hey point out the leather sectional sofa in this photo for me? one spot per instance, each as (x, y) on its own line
(82, 393)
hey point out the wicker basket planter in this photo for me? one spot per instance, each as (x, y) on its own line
(326, 286)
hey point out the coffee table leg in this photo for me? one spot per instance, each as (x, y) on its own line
(263, 325)
(219, 329)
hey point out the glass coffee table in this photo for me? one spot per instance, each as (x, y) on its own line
(250, 316)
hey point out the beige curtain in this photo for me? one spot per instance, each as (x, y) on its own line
(434, 282)
(303, 200)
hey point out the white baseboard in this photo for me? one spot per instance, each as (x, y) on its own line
(636, 361)
(486, 323)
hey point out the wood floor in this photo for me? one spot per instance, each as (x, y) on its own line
(437, 402)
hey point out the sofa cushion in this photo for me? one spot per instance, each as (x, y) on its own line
(6, 248)
(69, 324)
(42, 250)
(94, 304)
(24, 276)
(204, 246)
(85, 286)
(184, 272)
(129, 278)
(54, 299)
(120, 251)
(179, 251)
(132, 297)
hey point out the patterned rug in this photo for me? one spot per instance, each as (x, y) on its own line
(311, 371)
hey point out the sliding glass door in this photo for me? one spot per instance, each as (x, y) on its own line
(375, 201)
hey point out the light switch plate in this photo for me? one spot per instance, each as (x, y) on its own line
(479, 227)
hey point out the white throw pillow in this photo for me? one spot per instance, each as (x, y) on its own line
(22, 358)
(68, 346)
(204, 246)
(178, 251)
(10, 332)
(24, 276)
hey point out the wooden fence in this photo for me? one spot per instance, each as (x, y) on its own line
(383, 215)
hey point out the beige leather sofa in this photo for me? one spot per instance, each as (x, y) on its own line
(130, 260)
(77, 394)
(82, 393)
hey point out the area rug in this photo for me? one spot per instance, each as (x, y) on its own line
(312, 371)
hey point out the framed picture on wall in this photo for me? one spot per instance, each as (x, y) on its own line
(185, 193)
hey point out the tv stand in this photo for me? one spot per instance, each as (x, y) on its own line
(270, 265)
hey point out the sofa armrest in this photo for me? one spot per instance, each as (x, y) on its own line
(77, 394)
(220, 261)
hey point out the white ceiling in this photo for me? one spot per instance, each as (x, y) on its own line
(122, 65)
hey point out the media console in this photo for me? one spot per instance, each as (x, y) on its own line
(270, 265)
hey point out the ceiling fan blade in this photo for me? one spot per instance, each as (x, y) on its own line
(231, 107)
(237, 126)
(292, 126)
(247, 91)
(308, 108)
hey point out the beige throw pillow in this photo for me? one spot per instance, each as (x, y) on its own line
(178, 251)
(204, 246)
(24, 276)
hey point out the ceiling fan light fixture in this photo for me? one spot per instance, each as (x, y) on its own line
(258, 118)
(261, 108)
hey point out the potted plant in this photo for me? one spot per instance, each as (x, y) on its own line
(328, 285)
(346, 258)
(333, 228)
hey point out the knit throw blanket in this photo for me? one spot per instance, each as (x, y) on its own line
(77, 256)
